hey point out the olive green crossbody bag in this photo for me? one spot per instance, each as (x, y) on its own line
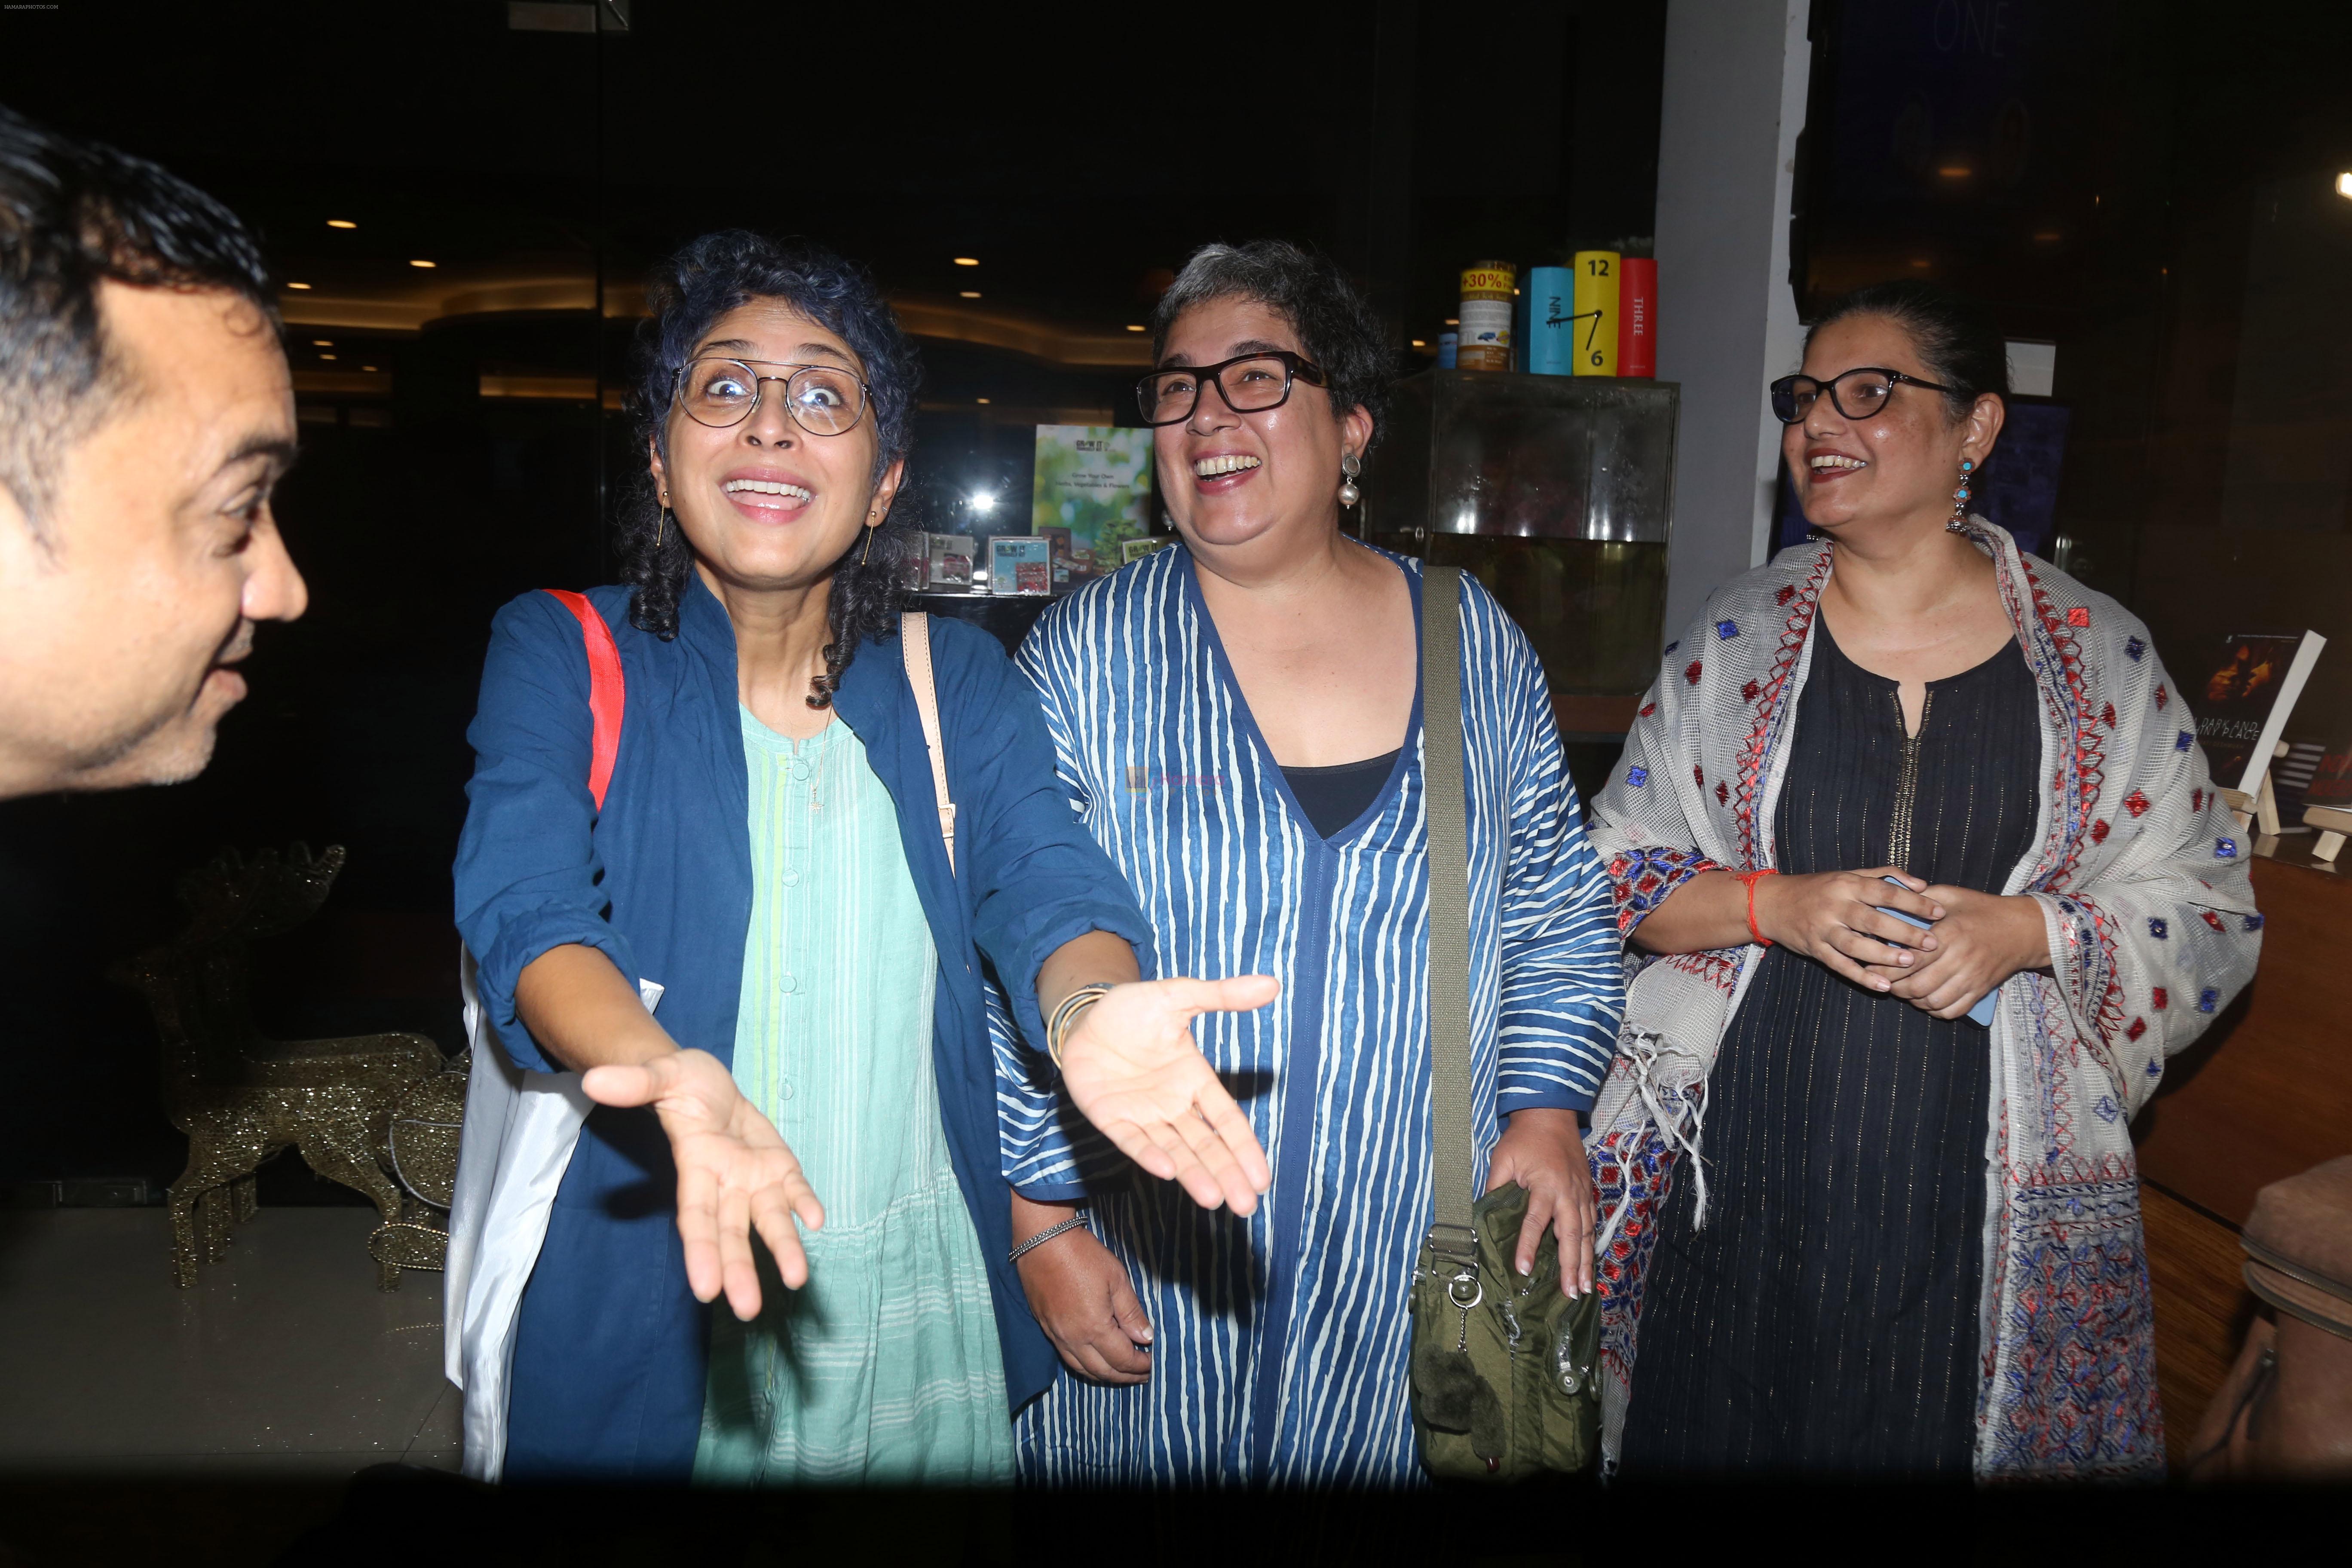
(1503, 1384)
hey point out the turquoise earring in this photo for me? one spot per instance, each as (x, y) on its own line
(1960, 523)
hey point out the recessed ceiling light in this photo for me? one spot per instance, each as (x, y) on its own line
(1954, 171)
(967, 261)
(321, 343)
(425, 264)
(298, 285)
(341, 223)
(367, 367)
(980, 400)
(1452, 321)
(968, 294)
(1419, 344)
(2343, 183)
(326, 356)
(1134, 328)
(1919, 261)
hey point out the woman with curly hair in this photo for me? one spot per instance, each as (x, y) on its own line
(749, 922)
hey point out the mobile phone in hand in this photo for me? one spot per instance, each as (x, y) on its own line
(1980, 1013)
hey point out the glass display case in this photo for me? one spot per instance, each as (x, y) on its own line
(1557, 492)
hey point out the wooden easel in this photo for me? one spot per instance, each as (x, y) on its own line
(2333, 825)
(2262, 806)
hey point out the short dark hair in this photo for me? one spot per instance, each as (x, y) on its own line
(1958, 338)
(1334, 324)
(701, 283)
(72, 214)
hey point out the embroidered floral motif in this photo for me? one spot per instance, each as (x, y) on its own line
(1648, 709)
(2161, 998)
(2138, 1027)
(2099, 831)
(2107, 715)
(2225, 849)
(1637, 775)
(2214, 921)
(2078, 616)
(1726, 630)
(2208, 999)
(2136, 649)
(2136, 803)
(1698, 775)
(2183, 741)
(1691, 674)
(2157, 928)
(2197, 799)
(1787, 593)
(1748, 692)
(2162, 696)
(2253, 922)
(1722, 792)
(1641, 877)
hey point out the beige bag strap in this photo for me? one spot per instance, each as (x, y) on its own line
(915, 640)
(1449, 906)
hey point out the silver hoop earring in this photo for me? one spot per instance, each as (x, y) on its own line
(1351, 466)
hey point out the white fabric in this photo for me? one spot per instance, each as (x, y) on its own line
(521, 1129)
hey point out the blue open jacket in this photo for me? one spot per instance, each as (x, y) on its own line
(609, 1358)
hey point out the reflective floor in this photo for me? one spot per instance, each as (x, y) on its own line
(283, 1362)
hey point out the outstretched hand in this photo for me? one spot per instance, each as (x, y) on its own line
(735, 1173)
(1132, 1068)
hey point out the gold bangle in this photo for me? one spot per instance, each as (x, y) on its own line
(1066, 1013)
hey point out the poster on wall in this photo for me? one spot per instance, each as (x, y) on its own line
(1092, 494)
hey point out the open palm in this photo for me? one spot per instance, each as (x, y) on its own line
(1133, 1069)
(735, 1173)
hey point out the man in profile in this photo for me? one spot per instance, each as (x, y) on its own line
(146, 413)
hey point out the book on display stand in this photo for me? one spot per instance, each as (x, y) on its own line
(2242, 705)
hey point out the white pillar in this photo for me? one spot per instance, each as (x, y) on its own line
(1737, 72)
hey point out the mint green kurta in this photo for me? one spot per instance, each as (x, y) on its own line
(885, 1368)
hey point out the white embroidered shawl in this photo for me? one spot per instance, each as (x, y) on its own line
(2140, 870)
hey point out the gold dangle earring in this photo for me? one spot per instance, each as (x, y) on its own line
(1960, 520)
(866, 554)
(661, 525)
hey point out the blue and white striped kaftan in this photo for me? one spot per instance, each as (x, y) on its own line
(1281, 1340)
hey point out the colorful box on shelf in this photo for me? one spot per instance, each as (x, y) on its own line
(1020, 563)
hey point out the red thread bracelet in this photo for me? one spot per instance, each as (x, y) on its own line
(1749, 879)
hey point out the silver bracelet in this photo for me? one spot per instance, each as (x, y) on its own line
(1066, 1013)
(1044, 1235)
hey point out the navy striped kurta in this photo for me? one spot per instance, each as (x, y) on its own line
(1281, 1340)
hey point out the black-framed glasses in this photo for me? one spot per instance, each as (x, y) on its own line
(823, 399)
(1249, 384)
(1857, 393)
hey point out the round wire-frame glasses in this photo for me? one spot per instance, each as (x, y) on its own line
(823, 399)
(1259, 381)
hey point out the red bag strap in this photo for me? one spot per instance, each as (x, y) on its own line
(607, 690)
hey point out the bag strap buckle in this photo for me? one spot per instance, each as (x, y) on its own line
(1454, 1243)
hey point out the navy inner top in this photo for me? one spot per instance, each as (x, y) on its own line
(1334, 797)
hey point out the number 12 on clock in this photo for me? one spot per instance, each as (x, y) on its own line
(1596, 309)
